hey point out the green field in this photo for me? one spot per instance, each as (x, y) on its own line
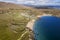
(13, 25)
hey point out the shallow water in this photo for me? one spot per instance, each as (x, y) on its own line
(47, 28)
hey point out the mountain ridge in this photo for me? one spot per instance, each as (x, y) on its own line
(44, 6)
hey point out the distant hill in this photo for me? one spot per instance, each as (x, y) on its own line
(44, 6)
(7, 5)
(47, 7)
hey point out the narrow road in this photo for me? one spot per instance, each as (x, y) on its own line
(22, 35)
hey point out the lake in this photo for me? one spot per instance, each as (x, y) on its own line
(47, 28)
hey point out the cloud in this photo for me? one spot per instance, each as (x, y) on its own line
(40, 2)
(1, 0)
(49, 2)
(30, 2)
(20, 0)
(11, 1)
(35, 2)
(26, 2)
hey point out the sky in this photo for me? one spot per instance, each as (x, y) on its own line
(35, 2)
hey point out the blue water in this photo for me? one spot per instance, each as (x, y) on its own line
(47, 28)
